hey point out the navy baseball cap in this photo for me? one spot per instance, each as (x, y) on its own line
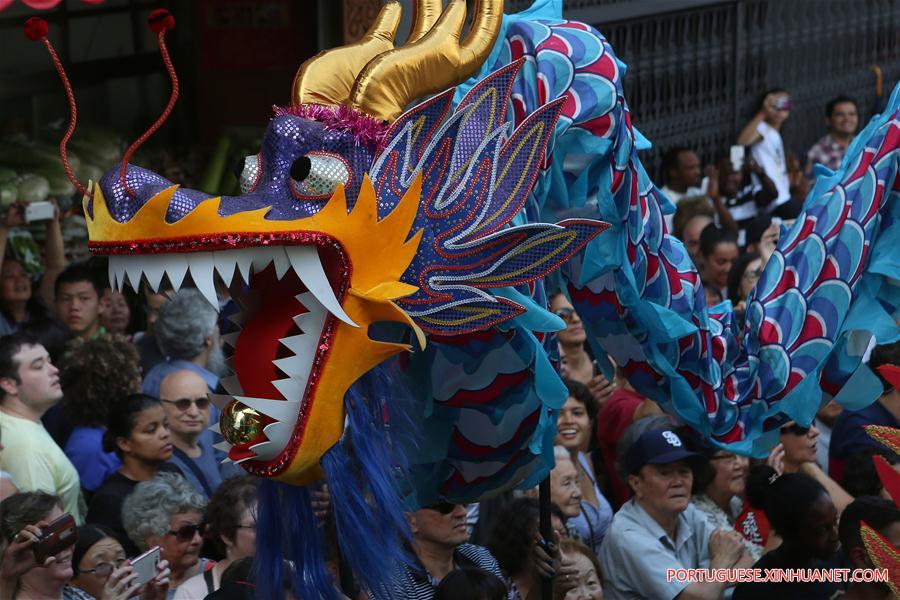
(656, 447)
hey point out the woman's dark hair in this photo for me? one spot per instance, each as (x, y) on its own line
(94, 373)
(786, 499)
(24, 508)
(860, 476)
(713, 235)
(737, 274)
(887, 354)
(877, 512)
(513, 532)
(471, 584)
(225, 508)
(580, 392)
(122, 417)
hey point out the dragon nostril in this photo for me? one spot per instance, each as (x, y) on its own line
(238, 168)
(300, 168)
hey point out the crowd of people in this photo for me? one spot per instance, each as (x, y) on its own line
(105, 415)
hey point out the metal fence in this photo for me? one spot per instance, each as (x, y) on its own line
(697, 67)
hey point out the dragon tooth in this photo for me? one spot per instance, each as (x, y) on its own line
(282, 264)
(293, 366)
(280, 410)
(225, 263)
(215, 428)
(154, 266)
(223, 446)
(261, 258)
(232, 385)
(290, 388)
(116, 272)
(176, 268)
(301, 344)
(201, 265)
(231, 338)
(221, 400)
(308, 267)
(244, 260)
(133, 269)
(277, 435)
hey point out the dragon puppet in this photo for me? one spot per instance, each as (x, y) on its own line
(390, 260)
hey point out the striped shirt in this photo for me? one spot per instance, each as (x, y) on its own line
(413, 582)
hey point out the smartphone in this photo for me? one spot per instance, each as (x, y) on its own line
(55, 537)
(39, 211)
(737, 155)
(782, 103)
(145, 565)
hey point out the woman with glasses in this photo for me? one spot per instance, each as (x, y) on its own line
(167, 512)
(137, 430)
(101, 569)
(800, 445)
(231, 519)
(720, 484)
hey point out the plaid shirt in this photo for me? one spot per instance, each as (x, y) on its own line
(825, 152)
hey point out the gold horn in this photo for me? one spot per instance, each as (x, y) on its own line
(431, 64)
(425, 13)
(328, 77)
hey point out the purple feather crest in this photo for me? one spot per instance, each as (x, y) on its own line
(366, 130)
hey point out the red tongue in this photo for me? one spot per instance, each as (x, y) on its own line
(257, 344)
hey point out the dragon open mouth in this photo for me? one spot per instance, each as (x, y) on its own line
(304, 299)
(288, 298)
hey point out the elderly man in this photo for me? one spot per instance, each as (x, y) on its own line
(29, 386)
(188, 336)
(659, 530)
(439, 540)
(184, 397)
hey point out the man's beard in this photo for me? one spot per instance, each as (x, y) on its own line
(216, 361)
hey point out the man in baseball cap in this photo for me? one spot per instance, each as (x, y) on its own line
(659, 530)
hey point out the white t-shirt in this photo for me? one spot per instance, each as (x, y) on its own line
(769, 153)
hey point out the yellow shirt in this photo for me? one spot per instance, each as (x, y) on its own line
(37, 463)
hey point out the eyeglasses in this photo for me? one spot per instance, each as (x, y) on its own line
(104, 569)
(183, 404)
(445, 508)
(186, 533)
(795, 429)
(565, 313)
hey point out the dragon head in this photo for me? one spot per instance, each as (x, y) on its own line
(352, 214)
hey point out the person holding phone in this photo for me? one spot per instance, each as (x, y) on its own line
(102, 570)
(763, 136)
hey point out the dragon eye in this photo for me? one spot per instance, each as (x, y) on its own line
(248, 171)
(315, 175)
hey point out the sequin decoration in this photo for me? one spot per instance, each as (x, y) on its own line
(326, 171)
(250, 174)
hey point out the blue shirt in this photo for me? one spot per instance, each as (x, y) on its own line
(85, 449)
(203, 471)
(848, 436)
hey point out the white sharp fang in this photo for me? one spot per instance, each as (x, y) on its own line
(225, 461)
(282, 264)
(176, 268)
(293, 366)
(261, 258)
(280, 410)
(116, 271)
(278, 435)
(244, 261)
(252, 457)
(232, 385)
(223, 446)
(298, 344)
(133, 266)
(225, 263)
(306, 263)
(215, 428)
(154, 269)
(201, 265)
(220, 400)
(290, 388)
(231, 338)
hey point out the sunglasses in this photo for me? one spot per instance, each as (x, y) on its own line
(795, 429)
(564, 313)
(186, 533)
(104, 569)
(445, 508)
(183, 404)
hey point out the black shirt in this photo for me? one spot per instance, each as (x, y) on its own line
(799, 590)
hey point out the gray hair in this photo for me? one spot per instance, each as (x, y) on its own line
(148, 510)
(184, 323)
(561, 453)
